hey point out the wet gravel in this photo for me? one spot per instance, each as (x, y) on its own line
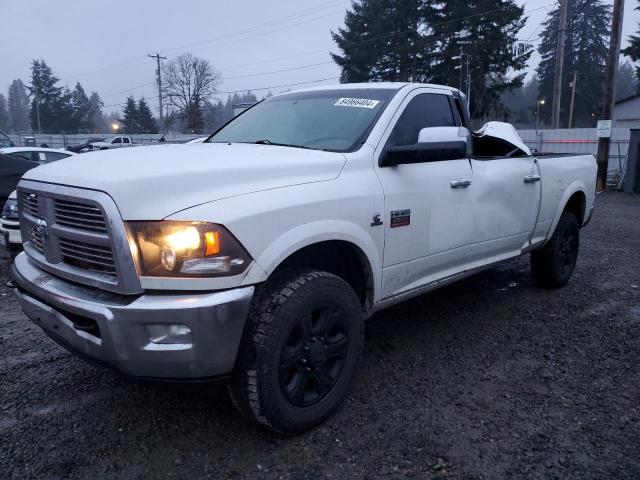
(487, 378)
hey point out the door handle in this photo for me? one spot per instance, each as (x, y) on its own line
(531, 178)
(462, 183)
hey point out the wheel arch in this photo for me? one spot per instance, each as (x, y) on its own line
(341, 248)
(574, 199)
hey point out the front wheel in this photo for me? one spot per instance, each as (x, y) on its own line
(300, 350)
(553, 265)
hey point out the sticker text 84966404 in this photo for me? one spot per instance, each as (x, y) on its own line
(356, 102)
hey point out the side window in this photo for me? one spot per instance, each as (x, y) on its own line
(117, 140)
(25, 155)
(126, 140)
(460, 112)
(424, 110)
(53, 156)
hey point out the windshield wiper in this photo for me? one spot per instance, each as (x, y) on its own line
(269, 142)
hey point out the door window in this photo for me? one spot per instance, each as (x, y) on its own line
(126, 140)
(53, 156)
(117, 140)
(424, 110)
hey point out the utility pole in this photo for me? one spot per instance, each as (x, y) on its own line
(557, 77)
(157, 58)
(573, 97)
(609, 90)
(37, 98)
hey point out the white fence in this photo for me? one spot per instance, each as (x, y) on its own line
(579, 140)
(575, 140)
(63, 141)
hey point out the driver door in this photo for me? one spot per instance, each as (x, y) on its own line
(428, 206)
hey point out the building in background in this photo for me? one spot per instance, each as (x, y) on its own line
(626, 112)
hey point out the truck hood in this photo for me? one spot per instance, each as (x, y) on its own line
(151, 183)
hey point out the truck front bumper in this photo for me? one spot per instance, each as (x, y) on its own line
(177, 336)
(10, 230)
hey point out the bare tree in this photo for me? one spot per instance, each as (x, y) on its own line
(189, 82)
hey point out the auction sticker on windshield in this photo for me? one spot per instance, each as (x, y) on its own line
(356, 102)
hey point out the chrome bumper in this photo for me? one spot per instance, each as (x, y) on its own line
(113, 329)
(10, 230)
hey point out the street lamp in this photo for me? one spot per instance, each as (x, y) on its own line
(115, 127)
(540, 102)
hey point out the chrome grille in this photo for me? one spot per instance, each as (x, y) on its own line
(30, 203)
(35, 237)
(90, 257)
(76, 234)
(79, 215)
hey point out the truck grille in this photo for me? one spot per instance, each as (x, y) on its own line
(79, 215)
(78, 235)
(35, 238)
(30, 203)
(91, 257)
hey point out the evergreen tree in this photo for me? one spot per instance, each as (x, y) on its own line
(131, 124)
(402, 40)
(4, 113)
(585, 52)
(522, 104)
(64, 118)
(633, 50)
(19, 107)
(383, 40)
(487, 32)
(213, 115)
(46, 97)
(146, 122)
(626, 82)
(82, 122)
(95, 113)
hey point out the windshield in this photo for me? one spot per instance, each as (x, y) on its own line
(335, 120)
(107, 140)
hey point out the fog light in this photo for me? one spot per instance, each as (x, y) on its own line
(169, 334)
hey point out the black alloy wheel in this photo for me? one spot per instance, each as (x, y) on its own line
(313, 356)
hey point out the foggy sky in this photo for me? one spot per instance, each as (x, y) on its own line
(103, 45)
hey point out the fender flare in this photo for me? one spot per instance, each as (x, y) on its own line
(574, 187)
(315, 232)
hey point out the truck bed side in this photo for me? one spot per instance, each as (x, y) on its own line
(562, 177)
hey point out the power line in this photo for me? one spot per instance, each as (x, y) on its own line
(284, 19)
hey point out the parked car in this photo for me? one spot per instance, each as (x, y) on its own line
(257, 255)
(15, 161)
(112, 142)
(5, 141)
(9, 223)
(84, 147)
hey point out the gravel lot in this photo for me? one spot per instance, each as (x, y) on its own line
(488, 378)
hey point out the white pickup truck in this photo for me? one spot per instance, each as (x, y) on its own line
(256, 255)
(111, 142)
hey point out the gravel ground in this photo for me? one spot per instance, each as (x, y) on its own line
(487, 378)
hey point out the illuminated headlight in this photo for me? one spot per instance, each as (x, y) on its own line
(185, 249)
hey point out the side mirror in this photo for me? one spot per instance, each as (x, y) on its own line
(434, 144)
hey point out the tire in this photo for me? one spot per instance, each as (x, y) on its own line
(553, 265)
(300, 350)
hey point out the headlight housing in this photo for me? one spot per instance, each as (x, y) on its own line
(185, 249)
(10, 210)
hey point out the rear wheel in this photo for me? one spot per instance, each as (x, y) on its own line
(300, 351)
(553, 265)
